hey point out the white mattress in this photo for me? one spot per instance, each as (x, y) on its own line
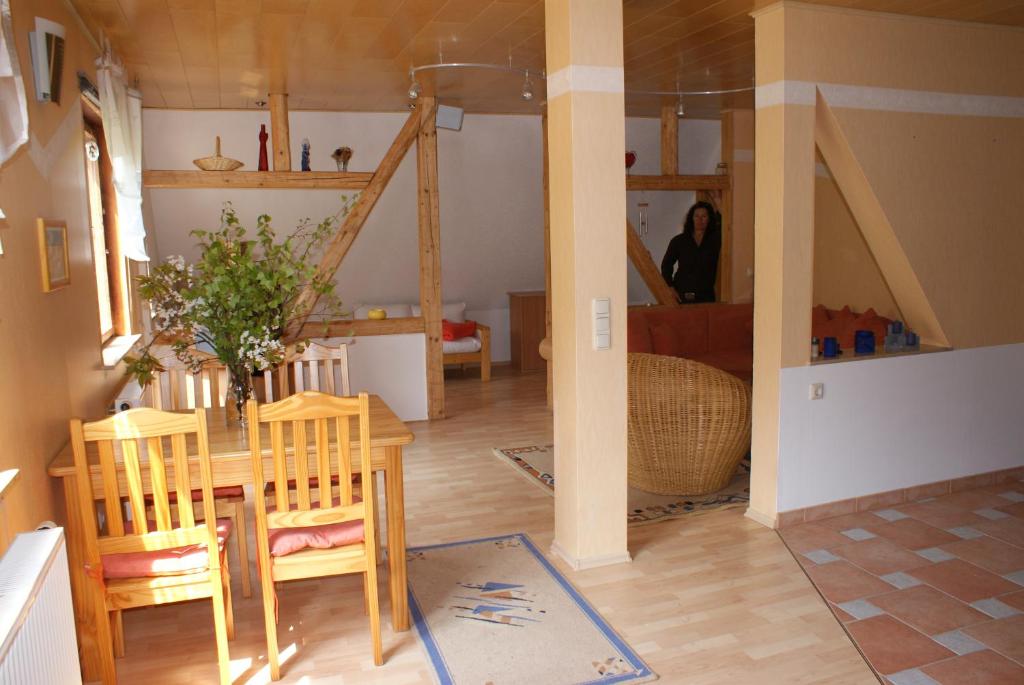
(461, 346)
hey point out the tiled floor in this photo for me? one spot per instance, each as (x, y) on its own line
(931, 591)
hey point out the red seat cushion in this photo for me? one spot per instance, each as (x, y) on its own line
(284, 541)
(166, 562)
(638, 338)
(451, 330)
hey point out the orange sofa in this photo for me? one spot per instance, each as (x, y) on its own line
(719, 335)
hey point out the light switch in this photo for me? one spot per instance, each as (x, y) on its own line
(602, 323)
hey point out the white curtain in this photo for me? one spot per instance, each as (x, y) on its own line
(13, 112)
(122, 127)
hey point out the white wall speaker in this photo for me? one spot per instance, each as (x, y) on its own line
(46, 48)
(449, 117)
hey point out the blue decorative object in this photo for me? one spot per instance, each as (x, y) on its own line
(305, 154)
(831, 347)
(864, 342)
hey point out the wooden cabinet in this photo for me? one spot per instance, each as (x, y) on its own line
(526, 326)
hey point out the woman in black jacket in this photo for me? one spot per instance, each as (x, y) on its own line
(695, 250)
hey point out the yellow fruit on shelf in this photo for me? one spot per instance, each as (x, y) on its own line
(377, 314)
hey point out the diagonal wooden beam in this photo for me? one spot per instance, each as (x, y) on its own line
(342, 241)
(649, 271)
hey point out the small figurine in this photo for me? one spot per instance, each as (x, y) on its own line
(305, 154)
(341, 157)
(263, 165)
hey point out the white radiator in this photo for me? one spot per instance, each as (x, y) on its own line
(37, 620)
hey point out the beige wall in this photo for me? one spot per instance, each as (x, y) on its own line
(49, 342)
(845, 272)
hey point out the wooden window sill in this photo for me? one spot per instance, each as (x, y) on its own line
(849, 356)
(116, 348)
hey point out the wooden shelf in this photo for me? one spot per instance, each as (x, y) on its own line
(849, 356)
(352, 180)
(681, 182)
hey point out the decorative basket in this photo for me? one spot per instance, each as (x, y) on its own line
(216, 162)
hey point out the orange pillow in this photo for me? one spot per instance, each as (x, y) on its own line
(819, 315)
(453, 331)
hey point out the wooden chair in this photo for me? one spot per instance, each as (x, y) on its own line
(319, 363)
(177, 388)
(345, 531)
(144, 563)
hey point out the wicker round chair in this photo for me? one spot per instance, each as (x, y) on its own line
(689, 425)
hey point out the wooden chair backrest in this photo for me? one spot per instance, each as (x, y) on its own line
(177, 387)
(326, 368)
(129, 432)
(329, 417)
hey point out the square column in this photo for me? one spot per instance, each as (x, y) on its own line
(586, 143)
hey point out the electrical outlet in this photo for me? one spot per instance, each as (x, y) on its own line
(817, 391)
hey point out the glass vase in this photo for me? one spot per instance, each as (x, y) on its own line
(240, 390)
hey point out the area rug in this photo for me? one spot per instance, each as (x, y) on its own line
(537, 463)
(495, 612)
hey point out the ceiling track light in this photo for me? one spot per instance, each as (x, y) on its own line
(527, 87)
(680, 110)
(414, 88)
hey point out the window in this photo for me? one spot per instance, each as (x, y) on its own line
(113, 287)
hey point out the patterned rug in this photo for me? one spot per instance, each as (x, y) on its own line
(496, 612)
(538, 465)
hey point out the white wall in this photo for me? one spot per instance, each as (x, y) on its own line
(886, 424)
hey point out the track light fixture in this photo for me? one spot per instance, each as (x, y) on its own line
(680, 110)
(527, 88)
(414, 87)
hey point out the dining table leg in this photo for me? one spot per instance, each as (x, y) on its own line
(95, 649)
(395, 501)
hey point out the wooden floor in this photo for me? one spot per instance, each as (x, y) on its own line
(714, 598)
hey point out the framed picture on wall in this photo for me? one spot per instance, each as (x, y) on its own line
(53, 254)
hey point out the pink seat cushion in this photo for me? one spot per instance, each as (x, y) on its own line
(285, 541)
(165, 562)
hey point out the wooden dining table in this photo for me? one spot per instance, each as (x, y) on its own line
(229, 452)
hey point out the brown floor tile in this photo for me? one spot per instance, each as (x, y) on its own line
(989, 553)
(880, 556)
(892, 646)
(841, 582)
(964, 581)
(930, 611)
(1005, 636)
(941, 515)
(971, 500)
(1014, 599)
(1006, 486)
(811, 536)
(1008, 530)
(979, 668)
(862, 519)
(1016, 509)
(913, 534)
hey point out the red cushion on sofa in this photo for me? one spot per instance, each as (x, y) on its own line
(731, 327)
(165, 562)
(739, 363)
(451, 330)
(819, 315)
(638, 337)
(684, 329)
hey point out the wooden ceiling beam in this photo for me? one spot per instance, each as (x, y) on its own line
(681, 182)
(342, 241)
(669, 141)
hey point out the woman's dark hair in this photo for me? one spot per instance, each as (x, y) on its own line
(712, 217)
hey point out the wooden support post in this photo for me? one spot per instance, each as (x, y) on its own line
(279, 132)
(346, 235)
(669, 141)
(430, 256)
(547, 256)
(648, 270)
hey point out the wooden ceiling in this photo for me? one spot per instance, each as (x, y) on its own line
(354, 55)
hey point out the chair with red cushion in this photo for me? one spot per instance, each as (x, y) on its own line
(177, 387)
(310, 437)
(141, 562)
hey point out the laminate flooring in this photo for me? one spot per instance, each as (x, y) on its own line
(714, 598)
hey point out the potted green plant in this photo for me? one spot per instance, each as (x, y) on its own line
(237, 299)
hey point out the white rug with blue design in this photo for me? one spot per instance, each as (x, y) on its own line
(496, 612)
